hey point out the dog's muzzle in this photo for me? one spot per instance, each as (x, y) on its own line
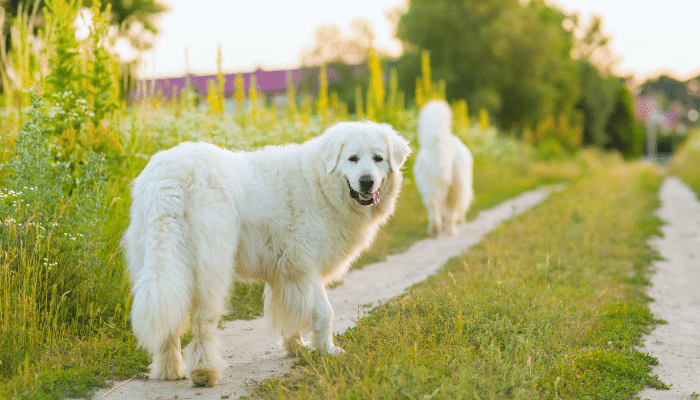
(365, 197)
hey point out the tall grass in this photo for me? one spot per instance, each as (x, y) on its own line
(57, 279)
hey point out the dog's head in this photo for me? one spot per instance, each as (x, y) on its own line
(363, 154)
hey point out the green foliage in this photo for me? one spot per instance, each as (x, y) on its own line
(598, 98)
(626, 135)
(21, 54)
(66, 75)
(53, 278)
(83, 73)
(668, 90)
(478, 47)
(686, 162)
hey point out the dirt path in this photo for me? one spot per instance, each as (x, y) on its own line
(675, 287)
(254, 354)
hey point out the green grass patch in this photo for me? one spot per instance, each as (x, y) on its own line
(547, 306)
(686, 162)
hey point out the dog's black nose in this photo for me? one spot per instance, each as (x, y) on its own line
(366, 183)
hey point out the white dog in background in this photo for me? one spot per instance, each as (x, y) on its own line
(443, 169)
(292, 216)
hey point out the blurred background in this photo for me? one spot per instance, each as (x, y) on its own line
(526, 63)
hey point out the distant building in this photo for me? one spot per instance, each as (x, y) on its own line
(648, 111)
(271, 84)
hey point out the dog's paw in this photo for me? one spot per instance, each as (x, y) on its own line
(295, 346)
(452, 230)
(331, 350)
(168, 370)
(204, 377)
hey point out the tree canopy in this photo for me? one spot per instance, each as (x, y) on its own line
(135, 18)
(512, 59)
(527, 63)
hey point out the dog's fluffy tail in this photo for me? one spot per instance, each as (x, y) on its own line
(434, 122)
(160, 266)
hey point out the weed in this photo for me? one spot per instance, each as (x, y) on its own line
(53, 273)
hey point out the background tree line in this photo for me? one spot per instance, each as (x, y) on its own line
(541, 73)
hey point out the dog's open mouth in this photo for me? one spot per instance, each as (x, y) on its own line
(362, 199)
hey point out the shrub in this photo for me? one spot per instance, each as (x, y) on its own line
(50, 270)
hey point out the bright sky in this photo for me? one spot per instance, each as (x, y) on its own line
(649, 37)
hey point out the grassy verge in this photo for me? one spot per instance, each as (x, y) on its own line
(686, 162)
(549, 305)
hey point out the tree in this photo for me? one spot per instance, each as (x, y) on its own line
(510, 58)
(598, 99)
(134, 18)
(626, 135)
(334, 46)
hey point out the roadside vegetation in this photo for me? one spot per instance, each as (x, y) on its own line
(550, 305)
(686, 162)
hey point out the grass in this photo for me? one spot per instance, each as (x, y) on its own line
(550, 305)
(686, 162)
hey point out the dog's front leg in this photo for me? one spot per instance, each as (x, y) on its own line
(322, 325)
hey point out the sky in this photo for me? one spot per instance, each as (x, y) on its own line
(648, 37)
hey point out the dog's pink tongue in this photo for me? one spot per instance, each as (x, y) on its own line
(375, 197)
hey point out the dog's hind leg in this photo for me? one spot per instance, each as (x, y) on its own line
(162, 282)
(434, 219)
(213, 273)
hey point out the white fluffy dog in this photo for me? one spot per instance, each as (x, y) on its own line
(443, 169)
(292, 216)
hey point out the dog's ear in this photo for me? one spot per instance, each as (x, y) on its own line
(331, 147)
(398, 149)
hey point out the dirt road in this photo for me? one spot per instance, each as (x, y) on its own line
(254, 355)
(675, 287)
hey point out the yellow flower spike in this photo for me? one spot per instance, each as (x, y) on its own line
(393, 93)
(221, 81)
(427, 79)
(483, 119)
(322, 102)
(419, 99)
(375, 92)
(239, 95)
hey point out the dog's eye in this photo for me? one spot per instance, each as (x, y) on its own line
(353, 159)
(378, 158)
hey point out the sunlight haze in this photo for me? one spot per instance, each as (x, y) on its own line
(648, 37)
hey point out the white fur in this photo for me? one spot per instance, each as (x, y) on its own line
(202, 215)
(443, 169)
